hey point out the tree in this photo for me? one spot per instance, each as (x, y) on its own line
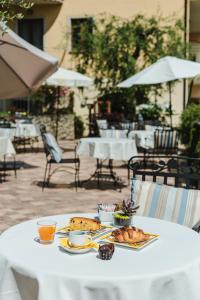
(11, 10)
(117, 48)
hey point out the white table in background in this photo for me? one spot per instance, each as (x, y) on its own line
(144, 138)
(169, 268)
(6, 147)
(107, 148)
(7, 132)
(21, 130)
(26, 130)
(113, 133)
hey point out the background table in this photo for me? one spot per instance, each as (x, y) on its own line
(169, 268)
(144, 138)
(6, 147)
(107, 148)
(21, 130)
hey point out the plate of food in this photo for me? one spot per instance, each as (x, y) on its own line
(130, 237)
(92, 226)
(68, 247)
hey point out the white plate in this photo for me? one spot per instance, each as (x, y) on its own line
(75, 251)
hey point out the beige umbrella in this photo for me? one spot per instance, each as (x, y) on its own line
(23, 67)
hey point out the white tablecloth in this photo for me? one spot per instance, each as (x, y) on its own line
(168, 269)
(21, 130)
(144, 138)
(105, 148)
(26, 130)
(6, 147)
(113, 133)
(7, 132)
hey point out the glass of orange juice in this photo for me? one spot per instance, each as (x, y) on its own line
(46, 230)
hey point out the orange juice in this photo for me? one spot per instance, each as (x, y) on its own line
(46, 231)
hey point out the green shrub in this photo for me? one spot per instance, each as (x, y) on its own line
(78, 127)
(189, 117)
(150, 111)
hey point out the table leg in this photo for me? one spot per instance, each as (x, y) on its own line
(98, 174)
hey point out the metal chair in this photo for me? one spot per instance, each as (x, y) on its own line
(173, 170)
(165, 141)
(161, 196)
(54, 156)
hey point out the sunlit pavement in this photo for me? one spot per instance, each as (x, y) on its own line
(22, 198)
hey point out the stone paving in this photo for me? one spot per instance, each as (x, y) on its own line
(22, 198)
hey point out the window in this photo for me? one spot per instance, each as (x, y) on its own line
(77, 25)
(32, 31)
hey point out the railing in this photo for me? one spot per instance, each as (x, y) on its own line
(47, 2)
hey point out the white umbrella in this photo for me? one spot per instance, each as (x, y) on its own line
(23, 67)
(69, 78)
(166, 69)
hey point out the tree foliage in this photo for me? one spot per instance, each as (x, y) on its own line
(11, 10)
(117, 48)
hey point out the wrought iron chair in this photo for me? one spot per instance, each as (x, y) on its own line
(54, 156)
(165, 141)
(176, 197)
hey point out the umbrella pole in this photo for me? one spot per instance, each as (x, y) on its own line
(170, 103)
(57, 111)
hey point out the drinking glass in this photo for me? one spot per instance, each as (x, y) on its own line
(46, 230)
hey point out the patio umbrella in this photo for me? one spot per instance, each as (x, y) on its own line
(23, 67)
(69, 78)
(166, 69)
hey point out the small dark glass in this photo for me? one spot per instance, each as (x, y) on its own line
(106, 251)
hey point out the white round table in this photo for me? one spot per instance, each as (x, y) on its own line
(6, 147)
(144, 138)
(107, 148)
(167, 269)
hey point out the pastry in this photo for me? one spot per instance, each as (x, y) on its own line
(80, 223)
(130, 235)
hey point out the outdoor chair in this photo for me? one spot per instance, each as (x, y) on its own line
(165, 142)
(54, 157)
(167, 188)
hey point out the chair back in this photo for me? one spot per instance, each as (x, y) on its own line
(166, 202)
(165, 141)
(175, 170)
(178, 199)
(51, 147)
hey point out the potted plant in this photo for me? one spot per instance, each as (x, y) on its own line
(125, 214)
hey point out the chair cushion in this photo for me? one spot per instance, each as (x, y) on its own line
(54, 148)
(161, 201)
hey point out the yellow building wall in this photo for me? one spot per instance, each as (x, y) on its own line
(57, 29)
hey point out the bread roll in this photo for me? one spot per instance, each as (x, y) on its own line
(80, 223)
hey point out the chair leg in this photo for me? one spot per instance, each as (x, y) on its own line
(49, 174)
(128, 175)
(45, 173)
(4, 168)
(77, 179)
(15, 167)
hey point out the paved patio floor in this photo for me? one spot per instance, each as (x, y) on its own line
(22, 198)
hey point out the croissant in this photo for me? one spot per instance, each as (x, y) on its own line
(129, 235)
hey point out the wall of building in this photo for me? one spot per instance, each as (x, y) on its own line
(57, 27)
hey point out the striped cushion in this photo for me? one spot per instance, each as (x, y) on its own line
(173, 204)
